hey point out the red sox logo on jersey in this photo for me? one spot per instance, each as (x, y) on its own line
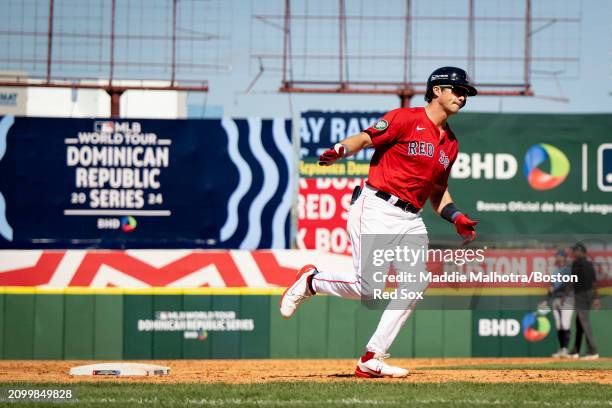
(417, 148)
(444, 160)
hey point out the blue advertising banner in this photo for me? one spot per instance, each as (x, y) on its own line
(320, 130)
(68, 183)
(325, 191)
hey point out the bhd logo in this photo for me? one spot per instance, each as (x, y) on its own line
(108, 223)
(202, 335)
(498, 327)
(128, 223)
(541, 155)
(535, 326)
(604, 167)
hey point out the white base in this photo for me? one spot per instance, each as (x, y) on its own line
(120, 369)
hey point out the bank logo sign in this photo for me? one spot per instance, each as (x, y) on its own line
(545, 166)
(535, 327)
(498, 327)
(128, 223)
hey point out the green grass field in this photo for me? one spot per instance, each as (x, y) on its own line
(380, 393)
(339, 394)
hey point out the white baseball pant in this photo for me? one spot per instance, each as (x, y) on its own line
(373, 215)
(563, 309)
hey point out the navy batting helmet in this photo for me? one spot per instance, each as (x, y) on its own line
(449, 76)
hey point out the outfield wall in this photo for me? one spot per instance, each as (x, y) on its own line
(78, 304)
(85, 324)
(88, 326)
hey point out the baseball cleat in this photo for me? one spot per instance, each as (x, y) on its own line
(295, 294)
(590, 357)
(375, 367)
(562, 353)
(573, 355)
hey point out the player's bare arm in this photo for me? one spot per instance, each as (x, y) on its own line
(344, 148)
(442, 203)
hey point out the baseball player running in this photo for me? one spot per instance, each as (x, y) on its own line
(414, 152)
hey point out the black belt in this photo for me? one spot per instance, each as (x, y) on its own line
(404, 205)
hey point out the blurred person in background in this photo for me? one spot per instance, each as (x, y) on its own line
(562, 303)
(585, 298)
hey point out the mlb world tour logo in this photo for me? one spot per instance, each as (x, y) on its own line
(194, 323)
(115, 165)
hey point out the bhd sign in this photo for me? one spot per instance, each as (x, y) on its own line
(498, 327)
(511, 333)
(489, 166)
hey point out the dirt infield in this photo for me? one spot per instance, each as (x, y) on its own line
(260, 371)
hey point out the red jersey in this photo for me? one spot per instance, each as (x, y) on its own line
(410, 156)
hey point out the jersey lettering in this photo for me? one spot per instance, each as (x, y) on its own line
(412, 148)
(407, 160)
(420, 149)
(444, 160)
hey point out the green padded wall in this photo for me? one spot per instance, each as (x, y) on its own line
(256, 343)
(283, 333)
(108, 327)
(197, 348)
(19, 327)
(225, 344)
(1, 325)
(312, 328)
(49, 327)
(137, 344)
(103, 327)
(167, 344)
(79, 327)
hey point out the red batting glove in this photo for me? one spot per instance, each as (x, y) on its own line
(465, 228)
(330, 156)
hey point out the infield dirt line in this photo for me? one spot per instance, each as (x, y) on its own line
(323, 370)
